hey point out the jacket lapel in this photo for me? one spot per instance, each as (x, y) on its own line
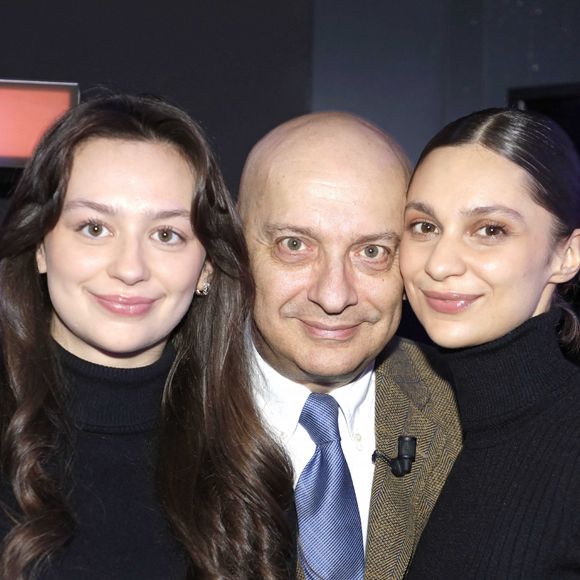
(412, 398)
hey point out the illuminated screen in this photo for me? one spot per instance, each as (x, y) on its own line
(27, 109)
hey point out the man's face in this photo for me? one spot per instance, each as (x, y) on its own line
(323, 241)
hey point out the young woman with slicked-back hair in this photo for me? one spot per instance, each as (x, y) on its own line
(489, 255)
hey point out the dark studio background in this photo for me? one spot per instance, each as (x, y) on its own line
(238, 67)
(242, 67)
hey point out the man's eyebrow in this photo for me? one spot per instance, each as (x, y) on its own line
(275, 229)
(470, 212)
(280, 228)
(385, 236)
(112, 211)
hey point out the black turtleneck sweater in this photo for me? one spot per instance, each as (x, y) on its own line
(510, 508)
(121, 533)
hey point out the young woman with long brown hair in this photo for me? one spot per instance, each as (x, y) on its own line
(130, 446)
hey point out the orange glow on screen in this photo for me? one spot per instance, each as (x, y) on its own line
(25, 114)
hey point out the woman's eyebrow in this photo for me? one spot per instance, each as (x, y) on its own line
(469, 212)
(487, 209)
(420, 206)
(107, 209)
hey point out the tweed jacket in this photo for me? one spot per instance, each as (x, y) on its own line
(412, 398)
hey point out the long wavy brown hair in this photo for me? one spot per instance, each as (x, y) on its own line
(224, 485)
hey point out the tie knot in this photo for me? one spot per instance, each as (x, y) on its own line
(320, 418)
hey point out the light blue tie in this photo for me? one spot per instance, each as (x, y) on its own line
(330, 541)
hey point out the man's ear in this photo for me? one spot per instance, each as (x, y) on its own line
(568, 261)
(41, 259)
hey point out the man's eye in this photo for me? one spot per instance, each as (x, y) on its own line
(374, 252)
(293, 244)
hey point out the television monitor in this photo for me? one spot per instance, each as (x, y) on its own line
(27, 109)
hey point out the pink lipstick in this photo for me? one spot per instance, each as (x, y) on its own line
(449, 302)
(125, 305)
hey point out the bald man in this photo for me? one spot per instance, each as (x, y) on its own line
(321, 200)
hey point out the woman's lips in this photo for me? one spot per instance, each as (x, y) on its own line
(125, 305)
(449, 302)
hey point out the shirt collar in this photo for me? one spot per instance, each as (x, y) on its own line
(281, 400)
(353, 396)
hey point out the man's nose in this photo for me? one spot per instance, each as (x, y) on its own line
(333, 285)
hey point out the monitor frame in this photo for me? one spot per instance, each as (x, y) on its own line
(69, 88)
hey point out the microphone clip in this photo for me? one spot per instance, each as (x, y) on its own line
(406, 450)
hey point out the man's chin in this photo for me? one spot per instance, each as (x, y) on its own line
(325, 368)
(328, 376)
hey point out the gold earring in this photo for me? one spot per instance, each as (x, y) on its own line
(204, 290)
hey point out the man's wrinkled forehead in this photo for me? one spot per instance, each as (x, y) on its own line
(337, 209)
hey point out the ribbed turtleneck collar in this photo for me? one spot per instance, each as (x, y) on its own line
(112, 400)
(504, 379)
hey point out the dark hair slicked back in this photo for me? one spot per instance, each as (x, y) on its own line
(539, 146)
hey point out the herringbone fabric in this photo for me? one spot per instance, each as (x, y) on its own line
(412, 398)
(329, 528)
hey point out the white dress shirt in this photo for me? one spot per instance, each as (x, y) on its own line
(280, 401)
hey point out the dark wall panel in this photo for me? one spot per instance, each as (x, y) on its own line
(413, 66)
(238, 67)
(383, 60)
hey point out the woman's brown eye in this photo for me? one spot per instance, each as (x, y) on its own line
(92, 229)
(166, 235)
(423, 228)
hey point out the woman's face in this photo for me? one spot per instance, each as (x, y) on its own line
(477, 255)
(122, 262)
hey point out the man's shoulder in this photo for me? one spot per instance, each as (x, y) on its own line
(413, 397)
(415, 373)
(412, 366)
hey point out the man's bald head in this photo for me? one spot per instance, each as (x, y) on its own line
(330, 138)
(322, 200)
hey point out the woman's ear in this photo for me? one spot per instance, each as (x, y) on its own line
(41, 259)
(568, 262)
(204, 282)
